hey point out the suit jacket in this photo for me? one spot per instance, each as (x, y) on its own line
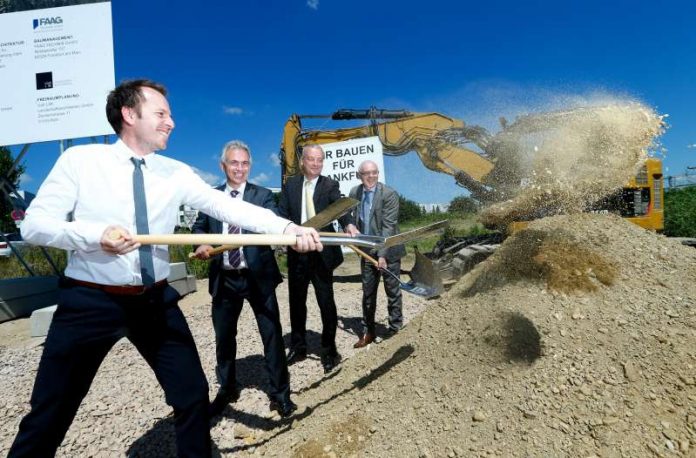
(384, 218)
(259, 259)
(326, 192)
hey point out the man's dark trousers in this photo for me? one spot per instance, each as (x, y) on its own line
(235, 286)
(87, 323)
(303, 269)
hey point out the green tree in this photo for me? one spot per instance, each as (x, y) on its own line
(680, 212)
(408, 210)
(463, 204)
(6, 161)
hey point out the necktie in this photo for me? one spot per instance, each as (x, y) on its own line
(234, 255)
(309, 202)
(365, 211)
(147, 267)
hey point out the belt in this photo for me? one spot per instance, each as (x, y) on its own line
(236, 271)
(119, 290)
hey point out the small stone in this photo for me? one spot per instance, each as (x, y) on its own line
(327, 448)
(242, 432)
(630, 371)
(479, 416)
(684, 446)
(373, 429)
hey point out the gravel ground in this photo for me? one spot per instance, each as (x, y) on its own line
(576, 339)
(125, 413)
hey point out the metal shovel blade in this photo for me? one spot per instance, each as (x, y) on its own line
(425, 274)
(415, 286)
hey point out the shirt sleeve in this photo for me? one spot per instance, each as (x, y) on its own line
(47, 219)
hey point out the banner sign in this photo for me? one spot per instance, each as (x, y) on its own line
(56, 68)
(342, 160)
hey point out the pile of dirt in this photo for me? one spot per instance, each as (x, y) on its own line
(576, 338)
(570, 159)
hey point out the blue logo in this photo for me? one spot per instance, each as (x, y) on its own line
(47, 21)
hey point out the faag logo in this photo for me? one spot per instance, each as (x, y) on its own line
(47, 21)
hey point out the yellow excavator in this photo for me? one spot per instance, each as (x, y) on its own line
(486, 165)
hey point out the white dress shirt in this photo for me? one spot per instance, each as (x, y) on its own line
(225, 227)
(312, 186)
(94, 183)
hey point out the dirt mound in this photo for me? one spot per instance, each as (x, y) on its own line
(575, 339)
(568, 160)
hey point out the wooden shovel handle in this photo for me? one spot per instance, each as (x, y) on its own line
(364, 255)
(212, 239)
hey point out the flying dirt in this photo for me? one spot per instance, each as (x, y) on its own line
(566, 161)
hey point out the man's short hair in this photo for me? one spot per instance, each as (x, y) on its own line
(234, 144)
(312, 146)
(128, 94)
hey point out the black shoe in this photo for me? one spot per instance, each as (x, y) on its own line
(390, 332)
(296, 355)
(284, 408)
(330, 361)
(221, 400)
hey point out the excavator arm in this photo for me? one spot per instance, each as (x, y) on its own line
(442, 143)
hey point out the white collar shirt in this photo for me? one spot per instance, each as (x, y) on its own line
(91, 187)
(225, 227)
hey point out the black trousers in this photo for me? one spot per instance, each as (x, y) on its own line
(87, 323)
(234, 287)
(370, 281)
(302, 270)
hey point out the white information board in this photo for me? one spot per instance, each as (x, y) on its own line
(56, 68)
(342, 160)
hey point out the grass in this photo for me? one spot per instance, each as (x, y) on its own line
(460, 225)
(12, 267)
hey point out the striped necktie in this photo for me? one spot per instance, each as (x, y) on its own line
(234, 255)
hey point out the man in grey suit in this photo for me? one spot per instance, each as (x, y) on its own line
(249, 273)
(378, 214)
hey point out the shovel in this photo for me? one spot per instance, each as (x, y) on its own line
(321, 219)
(425, 282)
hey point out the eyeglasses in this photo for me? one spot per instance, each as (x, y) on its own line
(371, 172)
(238, 163)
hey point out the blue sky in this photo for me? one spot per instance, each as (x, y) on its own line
(239, 69)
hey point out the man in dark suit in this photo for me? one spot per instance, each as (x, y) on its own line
(249, 273)
(378, 214)
(301, 198)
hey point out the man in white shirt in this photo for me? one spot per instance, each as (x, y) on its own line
(115, 288)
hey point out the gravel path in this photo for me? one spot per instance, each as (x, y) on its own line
(125, 413)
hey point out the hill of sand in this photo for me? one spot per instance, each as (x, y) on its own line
(577, 338)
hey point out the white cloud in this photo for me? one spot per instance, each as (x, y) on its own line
(212, 179)
(314, 4)
(25, 178)
(233, 110)
(261, 178)
(275, 160)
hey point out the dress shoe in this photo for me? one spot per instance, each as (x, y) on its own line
(295, 356)
(391, 332)
(284, 408)
(221, 400)
(364, 341)
(330, 361)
